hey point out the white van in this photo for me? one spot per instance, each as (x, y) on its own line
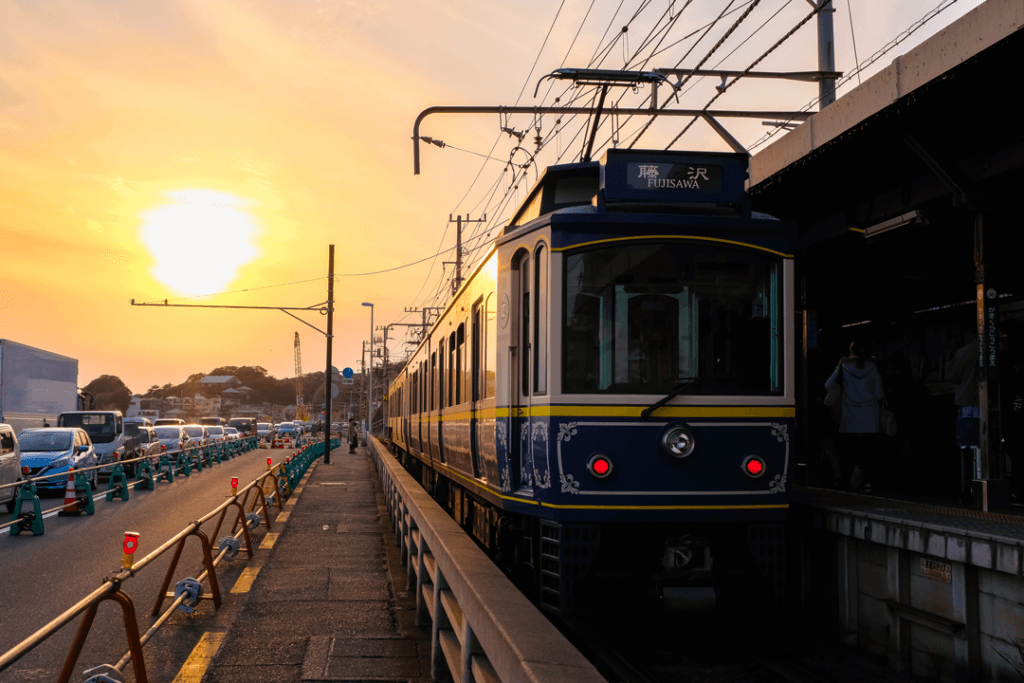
(10, 465)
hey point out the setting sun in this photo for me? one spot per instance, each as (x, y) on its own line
(200, 240)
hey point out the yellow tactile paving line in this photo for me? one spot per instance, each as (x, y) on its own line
(283, 517)
(268, 541)
(199, 661)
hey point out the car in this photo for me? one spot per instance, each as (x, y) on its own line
(245, 425)
(232, 434)
(173, 438)
(264, 430)
(143, 442)
(56, 450)
(144, 421)
(199, 433)
(168, 421)
(215, 433)
(287, 427)
(148, 443)
(10, 466)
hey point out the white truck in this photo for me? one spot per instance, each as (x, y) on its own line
(106, 431)
(35, 385)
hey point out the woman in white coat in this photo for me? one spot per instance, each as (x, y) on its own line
(859, 411)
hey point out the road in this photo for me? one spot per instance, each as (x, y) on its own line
(45, 575)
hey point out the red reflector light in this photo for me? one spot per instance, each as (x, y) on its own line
(25, 470)
(599, 466)
(753, 466)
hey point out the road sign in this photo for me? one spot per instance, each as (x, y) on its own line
(347, 373)
(347, 380)
(334, 391)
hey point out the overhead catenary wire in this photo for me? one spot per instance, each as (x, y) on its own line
(903, 35)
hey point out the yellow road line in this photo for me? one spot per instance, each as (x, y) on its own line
(283, 517)
(245, 580)
(198, 662)
(269, 540)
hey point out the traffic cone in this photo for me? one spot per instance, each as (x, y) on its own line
(70, 498)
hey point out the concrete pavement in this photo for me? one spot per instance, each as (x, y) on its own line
(324, 598)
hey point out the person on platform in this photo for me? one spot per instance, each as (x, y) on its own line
(353, 436)
(963, 372)
(859, 413)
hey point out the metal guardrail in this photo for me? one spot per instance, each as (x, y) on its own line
(188, 591)
(482, 628)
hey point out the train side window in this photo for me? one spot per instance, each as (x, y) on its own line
(540, 322)
(524, 323)
(453, 371)
(463, 362)
(442, 375)
(433, 380)
(490, 350)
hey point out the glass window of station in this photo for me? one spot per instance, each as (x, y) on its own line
(645, 318)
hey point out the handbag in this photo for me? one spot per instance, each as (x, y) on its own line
(836, 392)
(886, 420)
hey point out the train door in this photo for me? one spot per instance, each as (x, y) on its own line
(520, 439)
(474, 388)
(442, 388)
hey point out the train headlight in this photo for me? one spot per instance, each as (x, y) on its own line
(678, 442)
(599, 466)
(753, 466)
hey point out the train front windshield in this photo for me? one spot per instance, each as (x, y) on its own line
(646, 318)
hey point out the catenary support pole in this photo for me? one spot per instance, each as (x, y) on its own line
(329, 375)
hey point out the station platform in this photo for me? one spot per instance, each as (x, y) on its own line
(934, 590)
(320, 602)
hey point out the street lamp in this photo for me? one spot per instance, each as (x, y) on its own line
(369, 381)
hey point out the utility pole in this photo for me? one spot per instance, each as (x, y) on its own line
(328, 376)
(826, 52)
(457, 281)
(425, 311)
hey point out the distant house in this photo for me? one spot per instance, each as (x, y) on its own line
(220, 382)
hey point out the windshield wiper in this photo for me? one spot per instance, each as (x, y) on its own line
(680, 388)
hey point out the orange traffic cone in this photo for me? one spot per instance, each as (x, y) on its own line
(70, 499)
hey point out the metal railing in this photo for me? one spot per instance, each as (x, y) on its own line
(482, 628)
(188, 591)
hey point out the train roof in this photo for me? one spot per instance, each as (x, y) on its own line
(651, 181)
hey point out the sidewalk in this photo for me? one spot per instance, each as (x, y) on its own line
(328, 602)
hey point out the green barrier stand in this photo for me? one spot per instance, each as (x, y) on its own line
(164, 469)
(183, 464)
(197, 455)
(144, 478)
(118, 484)
(83, 492)
(28, 519)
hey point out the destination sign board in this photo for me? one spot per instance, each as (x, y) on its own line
(667, 176)
(656, 176)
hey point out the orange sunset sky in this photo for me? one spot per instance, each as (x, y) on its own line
(164, 150)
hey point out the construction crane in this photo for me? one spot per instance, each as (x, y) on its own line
(300, 408)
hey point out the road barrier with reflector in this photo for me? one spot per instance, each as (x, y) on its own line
(188, 591)
(28, 515)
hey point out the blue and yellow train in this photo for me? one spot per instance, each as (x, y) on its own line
(607, 402)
